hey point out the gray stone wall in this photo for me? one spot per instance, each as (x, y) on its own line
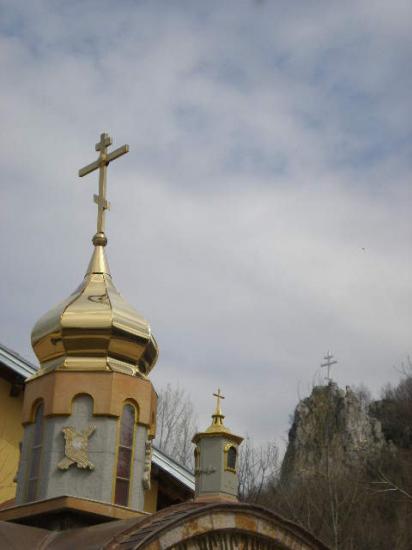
(213, 478)
(96, 484)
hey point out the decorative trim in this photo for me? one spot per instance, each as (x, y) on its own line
(76, 504)
(109, 391)
(147, 465)
(186, 525)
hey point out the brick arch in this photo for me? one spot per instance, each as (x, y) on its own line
(196, 526)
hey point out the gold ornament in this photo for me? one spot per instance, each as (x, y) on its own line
(76, 448)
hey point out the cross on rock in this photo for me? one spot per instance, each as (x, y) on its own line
(328, 363)
(101, 164)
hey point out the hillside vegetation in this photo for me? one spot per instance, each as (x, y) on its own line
(347, 473)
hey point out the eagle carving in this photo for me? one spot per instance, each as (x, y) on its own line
(76, 448)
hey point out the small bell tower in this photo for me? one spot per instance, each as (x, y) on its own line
(216, 459)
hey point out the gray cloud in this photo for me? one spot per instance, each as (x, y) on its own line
(270, 144)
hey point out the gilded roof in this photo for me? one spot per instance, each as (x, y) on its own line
(95, 329)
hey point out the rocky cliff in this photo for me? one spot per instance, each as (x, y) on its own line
(331, 431)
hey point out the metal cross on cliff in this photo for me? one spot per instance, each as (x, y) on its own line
(101, 164)
(328, 363)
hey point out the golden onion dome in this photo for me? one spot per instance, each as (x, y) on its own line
(95, 328)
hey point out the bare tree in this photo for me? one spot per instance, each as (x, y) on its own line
(176, 424)
(385, 485)
(258, 468)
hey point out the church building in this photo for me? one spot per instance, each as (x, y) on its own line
(85, 471)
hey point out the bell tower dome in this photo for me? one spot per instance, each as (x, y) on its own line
(89, 412)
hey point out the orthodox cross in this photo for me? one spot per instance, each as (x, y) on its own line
(101, 164)
(218, 396)
(328, 363)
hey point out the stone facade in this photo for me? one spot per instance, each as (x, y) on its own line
(213, 476)
(97, 483)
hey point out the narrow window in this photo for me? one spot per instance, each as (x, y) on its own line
(197, 460)
(125, 455)
(231, 458)
(35, 457)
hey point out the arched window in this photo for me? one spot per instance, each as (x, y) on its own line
(125, 455)
(35, 455)
(231, 456)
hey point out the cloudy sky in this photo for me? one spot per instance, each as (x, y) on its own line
(263, 214)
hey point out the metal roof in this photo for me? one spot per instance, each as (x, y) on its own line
(12, 360)
(179, 472)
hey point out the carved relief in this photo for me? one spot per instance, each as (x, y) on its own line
(76, 448)
(147, 464)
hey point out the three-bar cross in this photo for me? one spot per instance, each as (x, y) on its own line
(328, 363)
(101, 164)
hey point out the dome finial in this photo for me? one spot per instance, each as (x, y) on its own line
(101, 164)
(217, 425)
(218, 416)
